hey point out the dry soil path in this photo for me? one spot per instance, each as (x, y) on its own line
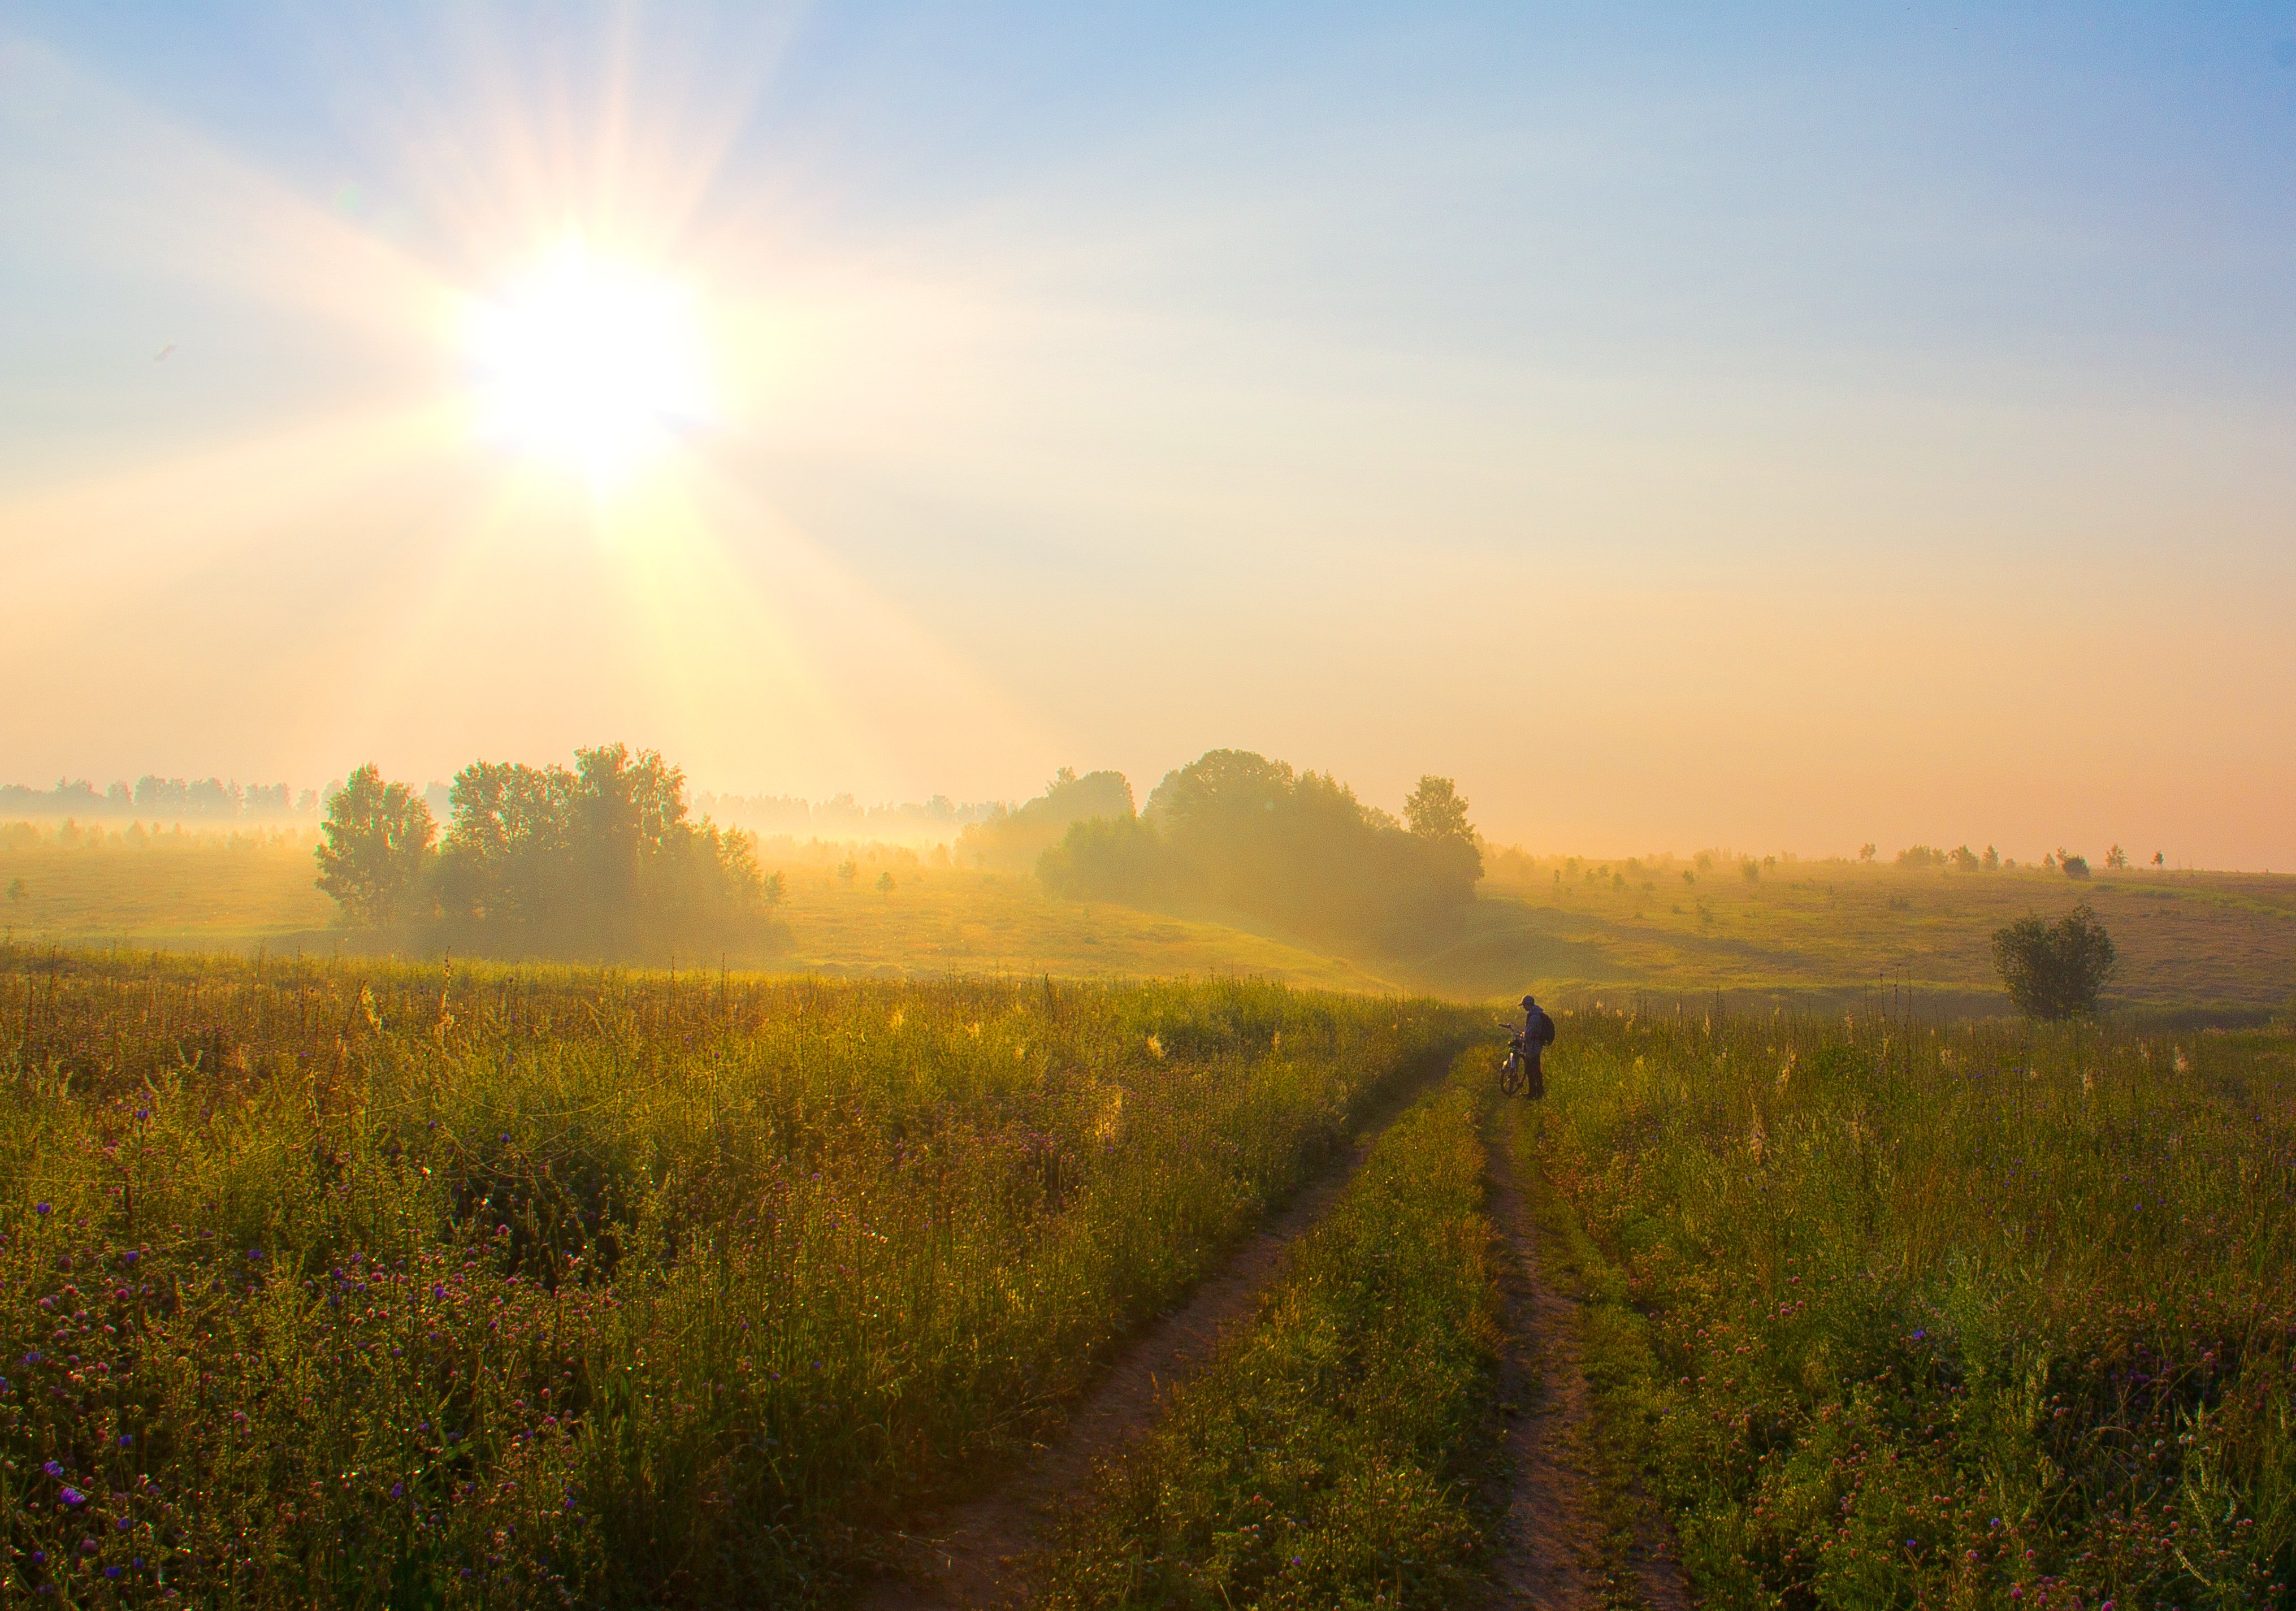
(971, 1555)
(1549, 1554)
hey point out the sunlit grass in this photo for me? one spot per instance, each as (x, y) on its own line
(1329, 1455)
(1973, 1318)
(366, 1283)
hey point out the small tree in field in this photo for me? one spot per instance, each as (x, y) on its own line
(2054, 970)
(378, 840)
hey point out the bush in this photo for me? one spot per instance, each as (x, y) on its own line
(2054, 971)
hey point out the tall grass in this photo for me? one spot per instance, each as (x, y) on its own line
(1966, 1317)
(369, 1284)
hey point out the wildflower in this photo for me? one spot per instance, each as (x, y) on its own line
(73, 1497)
(43, 1210)
(52, 1468)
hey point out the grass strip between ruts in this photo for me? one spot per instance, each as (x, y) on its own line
(1329, 1455)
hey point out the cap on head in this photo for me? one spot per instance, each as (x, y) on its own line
(1530, 1001)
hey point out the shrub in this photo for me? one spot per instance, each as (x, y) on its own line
(2054, 971)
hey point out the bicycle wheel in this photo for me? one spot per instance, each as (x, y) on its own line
(1511, 1076)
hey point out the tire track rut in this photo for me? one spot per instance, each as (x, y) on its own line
(1550, 1552)
(973, 1554)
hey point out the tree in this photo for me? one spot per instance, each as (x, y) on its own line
(2117, 859)
(2057, 970)
(1436, 809)
(885, 883)
(848, 870)
(1992, 860)
(378, 842)
(1866, 853)
(2074, 867)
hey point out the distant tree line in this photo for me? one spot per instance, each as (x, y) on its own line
(600, 858)
(1235, 834)
(159, 800)
(1014, 838)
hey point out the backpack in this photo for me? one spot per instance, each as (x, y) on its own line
(1542, 1028)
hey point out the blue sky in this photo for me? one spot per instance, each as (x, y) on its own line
(1864, 422)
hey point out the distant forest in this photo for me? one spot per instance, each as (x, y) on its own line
(1237, 834)
(161, 800)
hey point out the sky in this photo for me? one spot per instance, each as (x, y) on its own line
(1767, 428)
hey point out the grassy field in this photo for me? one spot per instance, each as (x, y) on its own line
(1821, 935)
(237, 891)
(1330, 1456)
(1895, 1315)
(1817, 936)
(359, 1284)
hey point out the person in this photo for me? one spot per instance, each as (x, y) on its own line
(1537, 1035)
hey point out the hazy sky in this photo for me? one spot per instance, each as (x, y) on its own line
(1773, 428)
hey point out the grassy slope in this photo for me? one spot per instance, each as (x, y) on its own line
(212, 891)
(1812, 935)
(1821, 933)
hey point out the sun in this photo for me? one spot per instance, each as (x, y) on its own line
(590, 365)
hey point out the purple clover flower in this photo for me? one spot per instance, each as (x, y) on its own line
(72, 1496)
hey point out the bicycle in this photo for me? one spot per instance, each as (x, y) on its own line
(1514, 1069)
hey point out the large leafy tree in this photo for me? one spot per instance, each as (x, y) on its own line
(2056, 970)
(600, 856)
(377, 840)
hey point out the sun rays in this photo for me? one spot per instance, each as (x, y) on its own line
(550, 527)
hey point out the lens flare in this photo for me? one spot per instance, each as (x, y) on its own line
(590, 365)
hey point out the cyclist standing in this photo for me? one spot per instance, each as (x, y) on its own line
(1537, 1035)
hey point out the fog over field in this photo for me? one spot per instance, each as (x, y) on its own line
(1760, 430)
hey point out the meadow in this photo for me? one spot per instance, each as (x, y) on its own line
(1893, 1314)
(356, 1283)
(1811, 936)
(1821, 937)
(240, 891)
(1336, 1454)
